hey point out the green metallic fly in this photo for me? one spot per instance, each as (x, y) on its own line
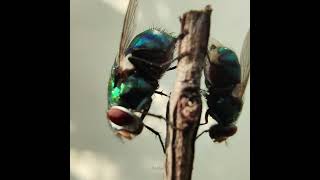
(226, 80)
(140, 63)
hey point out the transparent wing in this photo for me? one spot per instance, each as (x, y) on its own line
(128, 28)
(245, 61)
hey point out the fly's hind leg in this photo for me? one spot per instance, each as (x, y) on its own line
(163, 118)
(206, 122)
(157, 134)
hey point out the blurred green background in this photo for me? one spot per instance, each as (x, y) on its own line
(95, 154)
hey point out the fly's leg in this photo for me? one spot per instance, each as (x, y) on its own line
(163, 118)
(206, 118)
(181, 35)
(172, 68)
(206, 121)
(178, 38)
(175, 59)
(202, 133)
(204, 92)
(157, 116)
(157, 134)
(161, 93)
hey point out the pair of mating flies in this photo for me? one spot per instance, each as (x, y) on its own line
(141, 62)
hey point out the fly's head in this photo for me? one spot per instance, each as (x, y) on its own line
(220, 133)
(124, 123)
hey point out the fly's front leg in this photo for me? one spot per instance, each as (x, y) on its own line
(181, 35)
(178, 38)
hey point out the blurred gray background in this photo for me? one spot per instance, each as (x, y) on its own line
(95, 154)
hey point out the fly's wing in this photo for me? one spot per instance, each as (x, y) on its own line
(128, 28)
(245, 62)
(126, 37)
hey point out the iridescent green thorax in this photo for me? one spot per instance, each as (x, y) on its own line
(128, 93)
(151, 39)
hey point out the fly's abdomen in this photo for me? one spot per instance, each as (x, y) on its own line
(226, 108)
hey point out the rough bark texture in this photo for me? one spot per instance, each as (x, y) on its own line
(185, 102)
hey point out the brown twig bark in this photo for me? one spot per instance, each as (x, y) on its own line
(185, 102)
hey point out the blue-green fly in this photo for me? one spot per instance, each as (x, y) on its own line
(226, 80)
(140, 63)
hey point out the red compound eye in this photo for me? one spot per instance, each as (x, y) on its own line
(230, 131)
(119, 116)
(217, 131)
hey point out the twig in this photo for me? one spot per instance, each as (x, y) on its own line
(185, 102)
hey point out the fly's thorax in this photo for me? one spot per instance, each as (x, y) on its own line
(222, 68)
(129, 92)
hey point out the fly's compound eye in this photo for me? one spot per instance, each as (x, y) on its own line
(220, 133)
(120, 116)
